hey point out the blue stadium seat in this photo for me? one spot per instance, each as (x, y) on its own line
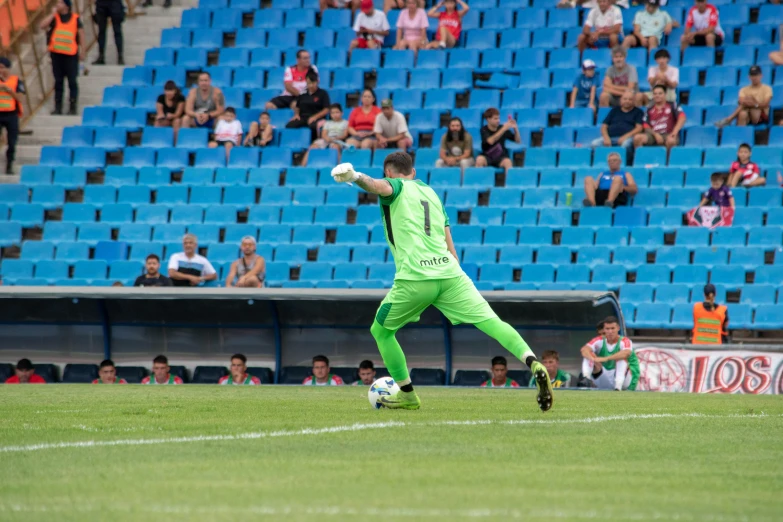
(100, 195)
(611, 236)
(710, 256)
(554, 255)
(769, 197)
(220, 215)
(580, 237)
(689, 274)
(682, 316)
(747, 257)
(37, 250)
(28, 215)
(173, 232)
(230, 176)
(500, 236)
(755, 295)
(356, 235)
(157, 137)
(767, 317)
(175, 38)
(297, 215)
(727, 276)
(724, 236)
(520, 217)
(239, 196)
(78, 212)
(56, 232)
(630, 217)
(557, 218)
(765, 236)
(138, 76)
(51, 197)
(550, 99)
(573, 274)
(636, 293)
(694, 237)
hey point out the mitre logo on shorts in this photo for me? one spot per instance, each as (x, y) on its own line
(435, 261)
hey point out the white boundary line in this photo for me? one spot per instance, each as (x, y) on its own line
(349, 428)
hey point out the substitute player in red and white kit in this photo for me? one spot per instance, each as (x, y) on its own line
(366, 373)
(294, 81)
(609, 360)
(161, 372)
(239, 375)
(321, 375)
(662, 123)
(745, 172)
(702, 26)
(107, 374)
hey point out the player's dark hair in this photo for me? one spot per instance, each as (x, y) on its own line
(662, 53)
(336, 106)
(612, 320)
(551, 354)
(152, 256)
(321, 358)
(600, 326)
(499, 360)
(372, 93)
(25, 365)
(366, 365)
(105, 363)
(312, 76)
(231, 110)
(461, 136)
(661, 87)
(172, 86)
(491, 113)
(399, 163)
(745, 146)
(161, 359)
(239, 356)
(264, 114)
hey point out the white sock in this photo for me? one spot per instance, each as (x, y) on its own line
(619, 374)
(587, 368)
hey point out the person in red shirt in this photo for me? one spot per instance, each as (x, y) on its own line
(500, 375)
(663, 122)
(25, 374)
(702, 26)
(745, 172)
(361, 122)
(107, 374)
(449, 23)
(161, 372)
(239, 375)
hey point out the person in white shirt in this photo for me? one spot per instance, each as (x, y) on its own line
(187, 268)
(391, 129)
(603, 27)
(702, 26)
(228, 132)
(371, 27)
(662, 74)
(294, 81)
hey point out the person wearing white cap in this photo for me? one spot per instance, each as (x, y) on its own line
(249, 270)
(583, 93)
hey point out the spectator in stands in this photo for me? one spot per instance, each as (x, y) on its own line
(249, 270)
(310, 107)
(718, 194)
(107, 374)
(204, 105)
(161, 372)
(493, 140)
(170, 107)
(583, 92)
(449, 23)
(65, 33)
(702, 26)
(612, 187)
(333, 133)
(745, 171)
(261, 133)
(366, 373)
(294, 81)
(663, 74)
(609, 360)
(239, 375)
(551, 360)
(663, 122)
(500, 375)
(456, 147)
(412, 26)
(776, 57)
(710, 320)
(25, 374)
(228, 132)
(11, 99)
(321, 375)
(114, 10)
(649, 26)
(361, 122)
(388, 5)
(391, 129)
(603, 27)
(621, 124)
(620, 78)
(353, 5)
(188, 268)
(152, 275)
(754, 100)
(371, 28)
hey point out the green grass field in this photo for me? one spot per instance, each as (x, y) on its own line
(279, 453)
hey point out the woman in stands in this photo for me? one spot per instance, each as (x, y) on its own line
(412, 28)
(170, 108)
(361, 122)
(449, 23)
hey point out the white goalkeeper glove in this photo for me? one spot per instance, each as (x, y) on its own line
(344, 173)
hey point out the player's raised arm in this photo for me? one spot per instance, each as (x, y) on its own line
(344, 173)
(450, 243)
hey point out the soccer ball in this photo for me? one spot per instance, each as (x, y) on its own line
(383, 387)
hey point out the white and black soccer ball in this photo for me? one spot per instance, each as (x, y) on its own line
(383, 387)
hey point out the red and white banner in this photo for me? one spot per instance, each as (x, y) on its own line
(703, 371)
(710, 217)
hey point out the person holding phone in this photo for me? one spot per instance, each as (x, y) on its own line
(493, 140)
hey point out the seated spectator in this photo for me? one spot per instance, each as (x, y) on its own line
(361, 122)
(366, 373)
(583, 93)
(353, 5)
(745, 171)
(239, 375)
(161, 372)
(710, 320)
(591, 4)
(205, 104)
(187, 268)
(603, 27)
(294, 81)
(610, 361)
(612, 187)
(702, 26)
(391, 129)
(718, 194)
(663, 74)
(412, 26)
(500, 375)
(333, 133)
(170, 107)
(649, 26)
(551, 361)
(152, 275)
(449, 23)
(249, 270)
(25, 374)
(620, 77)
(663, 122)
(388, 5)
(321, 375)
(228, 132)
(621, 124)
(310, 107)
(754, 102)
(456, 147)
(371, 28)
(493, 140)
(776, 57)
(261, 133)
(107, 374)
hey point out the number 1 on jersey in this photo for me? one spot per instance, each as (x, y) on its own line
(426, 205)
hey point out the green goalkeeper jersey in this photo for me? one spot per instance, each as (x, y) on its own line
(415, 225)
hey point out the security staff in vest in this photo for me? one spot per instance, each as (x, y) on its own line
(66, 37)
(105, 9)
(710, 320)
(11, 91)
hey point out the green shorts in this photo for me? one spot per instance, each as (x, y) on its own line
(457, 298)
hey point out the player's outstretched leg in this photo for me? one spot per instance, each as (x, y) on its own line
(394, 359)
(510, 339)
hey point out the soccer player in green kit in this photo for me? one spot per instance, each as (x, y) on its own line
(428, 273)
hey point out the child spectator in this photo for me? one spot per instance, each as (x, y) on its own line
(261, 133)
(333, 133)
(449, 23)
(745, 170)
(583, 93)
(228, 132)
(718, 194)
